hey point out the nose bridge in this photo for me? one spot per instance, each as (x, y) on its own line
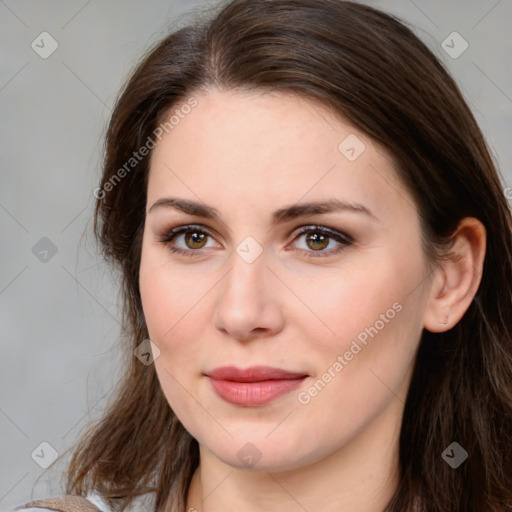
(246, 278)
(247, 301)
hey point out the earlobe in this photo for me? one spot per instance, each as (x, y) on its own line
(457, 278)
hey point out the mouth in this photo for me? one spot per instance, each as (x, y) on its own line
(254, 386)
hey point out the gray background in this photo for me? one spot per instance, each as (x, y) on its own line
(60, 318)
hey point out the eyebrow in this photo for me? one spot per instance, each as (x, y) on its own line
(278, 216)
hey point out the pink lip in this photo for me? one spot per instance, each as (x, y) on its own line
(253, 386)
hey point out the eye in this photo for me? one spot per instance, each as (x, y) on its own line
(317, 239)
(194, 238)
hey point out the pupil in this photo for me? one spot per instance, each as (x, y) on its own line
(315, 238)
(195, 236)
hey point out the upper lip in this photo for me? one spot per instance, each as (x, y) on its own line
(253, 374)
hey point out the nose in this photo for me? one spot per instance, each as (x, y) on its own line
(248, 302)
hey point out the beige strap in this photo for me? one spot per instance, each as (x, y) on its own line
(63, 504)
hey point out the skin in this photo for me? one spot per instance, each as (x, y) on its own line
(247, 154)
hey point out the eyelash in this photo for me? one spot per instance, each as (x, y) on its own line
(344, 240)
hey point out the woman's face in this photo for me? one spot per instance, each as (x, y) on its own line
(340, 306)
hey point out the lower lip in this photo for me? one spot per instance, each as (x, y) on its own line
(254, 393)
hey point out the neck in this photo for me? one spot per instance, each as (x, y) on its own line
(361, 476)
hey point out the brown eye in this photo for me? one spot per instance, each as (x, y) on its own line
(195, 239)
(318, 238)
(187, 240)
(190, 240)
(317, 241)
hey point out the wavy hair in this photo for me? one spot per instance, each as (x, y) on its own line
(369, 68)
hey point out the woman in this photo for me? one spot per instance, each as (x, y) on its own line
(316, 256)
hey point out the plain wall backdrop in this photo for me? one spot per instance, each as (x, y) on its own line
(58, 303)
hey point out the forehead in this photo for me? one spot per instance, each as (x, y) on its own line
(240, 146)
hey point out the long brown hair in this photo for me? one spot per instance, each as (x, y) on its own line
(368, 67)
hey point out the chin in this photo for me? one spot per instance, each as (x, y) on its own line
(260, 454)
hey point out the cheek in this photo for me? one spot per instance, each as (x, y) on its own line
(365, 366)
(351, 303)
(172, 309)
(173, 312)
(175, 305)
(168, 292)
(366, 328)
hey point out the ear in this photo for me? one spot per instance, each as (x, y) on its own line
(457, 278)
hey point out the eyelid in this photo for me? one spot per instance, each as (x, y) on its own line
(342, 238)
(171, 233)
(332, 232)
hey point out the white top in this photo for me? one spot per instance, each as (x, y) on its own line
(139, 504)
